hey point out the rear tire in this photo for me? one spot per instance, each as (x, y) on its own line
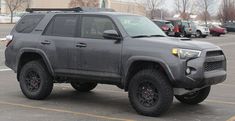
(150, 94)
(83, 87)
(194, 97)
(35, 81)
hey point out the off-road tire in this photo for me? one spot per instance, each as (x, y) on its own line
(159, 82)
(44, 80)
(83, 87)
(194, 98)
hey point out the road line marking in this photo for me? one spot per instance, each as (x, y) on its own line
(231, 119)
(220, 102)
(7, 69)
(65, 111)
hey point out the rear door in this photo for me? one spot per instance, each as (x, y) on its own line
(98, 55)
(58, 42)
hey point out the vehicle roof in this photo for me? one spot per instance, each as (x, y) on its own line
(82, 13)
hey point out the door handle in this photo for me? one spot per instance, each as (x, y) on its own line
(46, 42)
(81, 45)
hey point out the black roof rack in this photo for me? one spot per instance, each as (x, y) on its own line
(77, 9)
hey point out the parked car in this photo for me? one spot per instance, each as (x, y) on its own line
(200, 31)
(166, 26)
(216, 30)
(230, 26)
(181, 28)
(130, 51)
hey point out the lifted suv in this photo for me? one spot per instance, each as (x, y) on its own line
(130, 51)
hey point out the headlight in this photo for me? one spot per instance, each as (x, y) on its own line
(186, 53)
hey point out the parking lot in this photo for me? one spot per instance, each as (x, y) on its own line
(109, 102)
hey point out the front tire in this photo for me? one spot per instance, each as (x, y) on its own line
(150, 93)
(35, 81)
(83, 87)
(198, 34)
(194, 98)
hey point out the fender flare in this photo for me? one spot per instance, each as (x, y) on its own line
(36, 51)
(131, 60)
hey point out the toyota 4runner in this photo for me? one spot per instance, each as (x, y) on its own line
(84, 48)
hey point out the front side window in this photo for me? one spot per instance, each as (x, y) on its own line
(94, 27)
(62, 25)
(139, 26)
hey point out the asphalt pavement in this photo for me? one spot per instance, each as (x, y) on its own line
(108, 102)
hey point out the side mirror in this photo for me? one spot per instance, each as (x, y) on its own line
(111, 34)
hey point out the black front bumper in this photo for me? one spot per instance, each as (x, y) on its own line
(209, 69)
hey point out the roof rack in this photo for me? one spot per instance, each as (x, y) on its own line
(77, 9)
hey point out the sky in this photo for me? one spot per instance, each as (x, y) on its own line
(169, 4)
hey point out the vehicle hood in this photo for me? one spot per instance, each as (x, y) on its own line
(179, 43)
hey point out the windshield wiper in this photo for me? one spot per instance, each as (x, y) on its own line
(157, 36)
(140, 36)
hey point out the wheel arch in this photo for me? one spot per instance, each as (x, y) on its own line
(136, 64)
(32, 54)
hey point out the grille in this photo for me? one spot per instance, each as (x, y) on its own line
(214, 53)
(216, 64)
(210, 66)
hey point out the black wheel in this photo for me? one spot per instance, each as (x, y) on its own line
(35, 81)
(198, 34)
(204, 36)
(183, 34)
(83, 87)
(194, 98)
(189, 35)
(150, 92)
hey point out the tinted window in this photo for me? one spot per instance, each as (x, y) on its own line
(62, 25)
(93, 27)
(159, 23)
(28, 23)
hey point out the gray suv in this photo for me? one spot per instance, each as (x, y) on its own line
(86, 48)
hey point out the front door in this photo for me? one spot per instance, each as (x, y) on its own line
(98, 54)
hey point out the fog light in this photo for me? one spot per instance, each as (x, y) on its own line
(188, 71)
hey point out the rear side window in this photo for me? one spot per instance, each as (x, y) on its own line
(28, 23)
(62, 25)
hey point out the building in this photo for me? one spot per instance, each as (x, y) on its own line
(118, 5)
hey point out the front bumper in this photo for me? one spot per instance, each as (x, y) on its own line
(207, 70)
(206, 33)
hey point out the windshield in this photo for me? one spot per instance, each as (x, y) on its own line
(140, 26)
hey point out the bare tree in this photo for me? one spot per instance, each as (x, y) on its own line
(227, 11)
(13, 5)
(183, 7)
(153, 5)
(84, 3)
(28, 3)
(205, 6)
